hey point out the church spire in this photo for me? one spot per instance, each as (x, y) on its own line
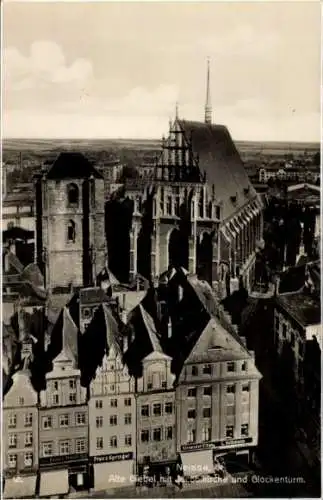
(208, 107)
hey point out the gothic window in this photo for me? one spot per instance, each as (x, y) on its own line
(201, 205)
(71, 231)
(162, 200)
(209, 210)
(177, 206)
(169, 205)
(72, 195)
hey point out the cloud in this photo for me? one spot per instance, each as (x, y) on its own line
(45, 65)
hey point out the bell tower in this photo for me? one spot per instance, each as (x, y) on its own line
(70, 236)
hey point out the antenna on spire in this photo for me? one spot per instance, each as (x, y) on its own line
(208, 107)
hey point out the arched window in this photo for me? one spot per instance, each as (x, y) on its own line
(72, 195)
(169, 205)
(71, 231)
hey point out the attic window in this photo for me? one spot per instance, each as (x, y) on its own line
(233, 198)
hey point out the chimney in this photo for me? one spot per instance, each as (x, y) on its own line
(208, 107)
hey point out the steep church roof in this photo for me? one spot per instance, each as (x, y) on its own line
(71, 165)
(220, 159)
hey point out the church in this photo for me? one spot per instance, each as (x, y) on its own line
(198, 210)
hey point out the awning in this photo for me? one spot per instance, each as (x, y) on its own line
(20, 487)
(198, 463)
(54, 483)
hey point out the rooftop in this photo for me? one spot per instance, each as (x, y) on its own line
(93, 295)
(304, 307)
(69, 165)
(219, 158)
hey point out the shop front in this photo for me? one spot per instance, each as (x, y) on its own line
(112, 471)
(203, 459)
(23, 486)
(60, 475)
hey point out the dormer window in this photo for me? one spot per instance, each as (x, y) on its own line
(71, 231)
(72, 195)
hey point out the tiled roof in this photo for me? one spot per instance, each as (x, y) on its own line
(71, 165)
(302, 306)
(219, 158)
(70, 335)
(151, 329)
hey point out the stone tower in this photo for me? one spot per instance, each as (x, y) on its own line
(70, 236)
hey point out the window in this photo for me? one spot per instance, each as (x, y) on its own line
(98, 403)
(209, 210)
(230, 367)
(55, 386)
(72, 195)
(55, 400)
(99, 422)
(157, 434)
(64, 447)
(230, 410)
(113, 419)
(169, 205)
(113, 442)
(229, 431)
(72, 397)
(231, 389)
(245, 388)
(244, 366)
(80, 418)
(169, 432)
(28, 419)
(207, 369)
(12, 460)
(99, 443)
(12, 422)
(191, 436)
(244, 430)
(145, 411)
(128, 440)
(21, 401)
(47, 422)
(194, 371)
(169, 407)
(206, 433)
(157, 409)
(127, 419)
(127, 402)
(80, 445)
(201, 205)
(71, 231)
(114, 403)
(206, 412)
(284, 331)
(207, 391)
(63, 421)
(191, 393)
(191, 414)
(177, 206)
(28, 439)
(144, 436)
(12, 440)
(72, 384)
(218, 212)
(28, 459)
(47, 449)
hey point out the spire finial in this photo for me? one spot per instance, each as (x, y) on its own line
(208, 107)
(176, 110)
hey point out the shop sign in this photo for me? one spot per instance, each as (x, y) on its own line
(215, 444)
(63, 459)
(114, 457)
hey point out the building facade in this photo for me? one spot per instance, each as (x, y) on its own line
(70, 239)
(217, 401)
(20, 437)
(63, 428)
(156, 429)
(112, 423)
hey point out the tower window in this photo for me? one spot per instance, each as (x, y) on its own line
(71, 231)
(72, 195)
(201, 205)
(209, 210)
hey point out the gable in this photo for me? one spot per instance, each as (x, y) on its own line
(21, 393)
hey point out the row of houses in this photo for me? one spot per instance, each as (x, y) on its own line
(173, 384)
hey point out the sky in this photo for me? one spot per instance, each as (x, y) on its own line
(108, 70)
